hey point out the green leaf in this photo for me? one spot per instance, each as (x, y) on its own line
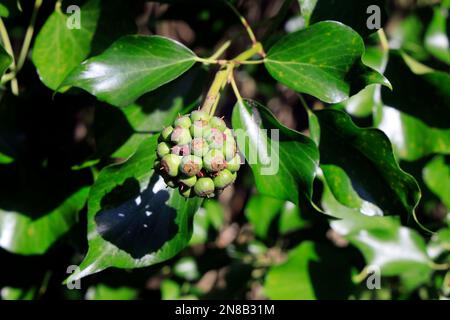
(436, 37)
(290, 218)
(283, 161)
(152, 112)
(37, 206)
(436, 175)
(5, 60)
(210, 215)
(310, 273)
(365, 156)
(104, 292)
(261, 211)
(306, 9)
(170, 290)
(4, 12)
(385, 244)
(411, 138)
(323, 60)
(362, 103)
(134, 219)
(425, 96)
(350, 12)
(415, 131)
(59, 49)
(130, 67)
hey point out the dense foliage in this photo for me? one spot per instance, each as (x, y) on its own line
(109, 192)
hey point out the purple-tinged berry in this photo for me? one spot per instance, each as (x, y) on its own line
(191, 165)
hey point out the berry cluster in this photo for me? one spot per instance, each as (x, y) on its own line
(198, 155)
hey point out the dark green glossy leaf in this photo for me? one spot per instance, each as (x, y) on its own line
(134, 219)
(411, 138)
(5, 60)
(415, 130)
(284, 167)
(130, 67)
(59, 49)
(424, 96)
(150, 113)
(310, 273)
(38, 206)
(350, 12)
(436, 175)
(362, 103)
(365, 158)
(323, 60)
(436, 38)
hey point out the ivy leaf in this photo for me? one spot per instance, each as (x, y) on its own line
(152, 112)
(105, 292)
(5, 60)
(310, 273)
(366, 157)
(411, 138)
(323, 60)
(130, 67)
(37, 206)
(59, 49)
(436, 37)
(362, 103)
(134, 219)
(384, 243)
(350, 12)
(428, 88)
(415, 131)
(4, 12)
(284, 166)
(436, 175)
(261, 211)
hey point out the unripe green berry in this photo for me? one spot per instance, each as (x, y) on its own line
(170, 164)
(180, 136)
(229, 149)
(199, 147)
(165, 133)
(218, 123)
(183, 121)
(199, 115)
(181, 150)
(199, 128)
(162, 149)
(234, 164)
(214, 160)
(204, 187)
(188, 181)
(223, 179)
(215, 138)
(191, 165)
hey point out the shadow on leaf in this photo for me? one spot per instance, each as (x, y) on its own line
(138, 223)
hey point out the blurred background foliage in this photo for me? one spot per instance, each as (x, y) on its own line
(244, 245)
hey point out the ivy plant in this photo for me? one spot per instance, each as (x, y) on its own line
(152, 132)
